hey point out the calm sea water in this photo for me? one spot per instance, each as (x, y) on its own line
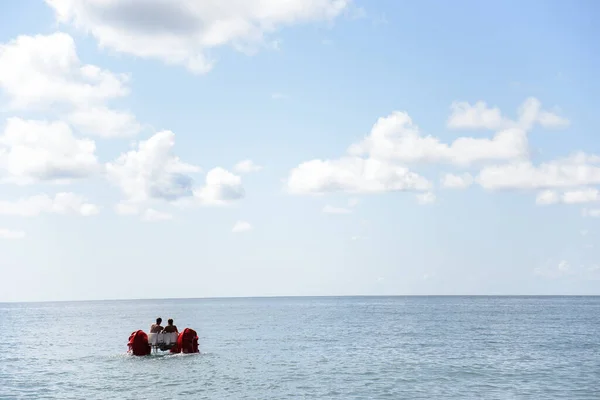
(308, 348)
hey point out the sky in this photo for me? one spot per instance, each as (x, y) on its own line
(180, 148)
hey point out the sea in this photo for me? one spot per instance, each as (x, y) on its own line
(416, 347)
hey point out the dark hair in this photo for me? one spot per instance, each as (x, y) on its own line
(158, 320)
(170, 321)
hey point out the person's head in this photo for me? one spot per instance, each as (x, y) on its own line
(170, 321)
(158, 321)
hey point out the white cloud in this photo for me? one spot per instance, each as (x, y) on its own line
(564, 266)
(352, 175)
(378, 162)
(104, 122)
(182, 32)
(581, 196)
(33, 151)
(152, 215)
(41, 71)
(61, 203)
(11, 234)
(569, 197)
(396, 138)
(426, 198)
(246, 167)
(336, 210)
(241, 226)
(550, 120)
(88, 209)
(44, 72)
(592, 212)
(477, 116)
(480, 116)
(279, 96)
(576, 170)
(221, 187)
(453, 181)
(531, 113)
(547, 197)
(152, 172)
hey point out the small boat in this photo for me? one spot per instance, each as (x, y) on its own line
(142, 344)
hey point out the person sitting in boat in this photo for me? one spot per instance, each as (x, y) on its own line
(170, 327)
(156, 328)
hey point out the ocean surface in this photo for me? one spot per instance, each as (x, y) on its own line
(308, 348)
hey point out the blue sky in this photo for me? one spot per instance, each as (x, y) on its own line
(138, 118)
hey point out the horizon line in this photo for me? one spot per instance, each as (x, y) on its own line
(292, 296)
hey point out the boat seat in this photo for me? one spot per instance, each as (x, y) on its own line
(155, 339)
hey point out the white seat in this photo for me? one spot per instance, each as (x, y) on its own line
(170, 338)
(162, 338)
(153, 339)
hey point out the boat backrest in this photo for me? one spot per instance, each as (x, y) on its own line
(162, 338)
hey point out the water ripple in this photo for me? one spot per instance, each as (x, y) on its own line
(309, 348)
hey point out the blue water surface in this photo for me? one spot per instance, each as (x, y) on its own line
(308, 348)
